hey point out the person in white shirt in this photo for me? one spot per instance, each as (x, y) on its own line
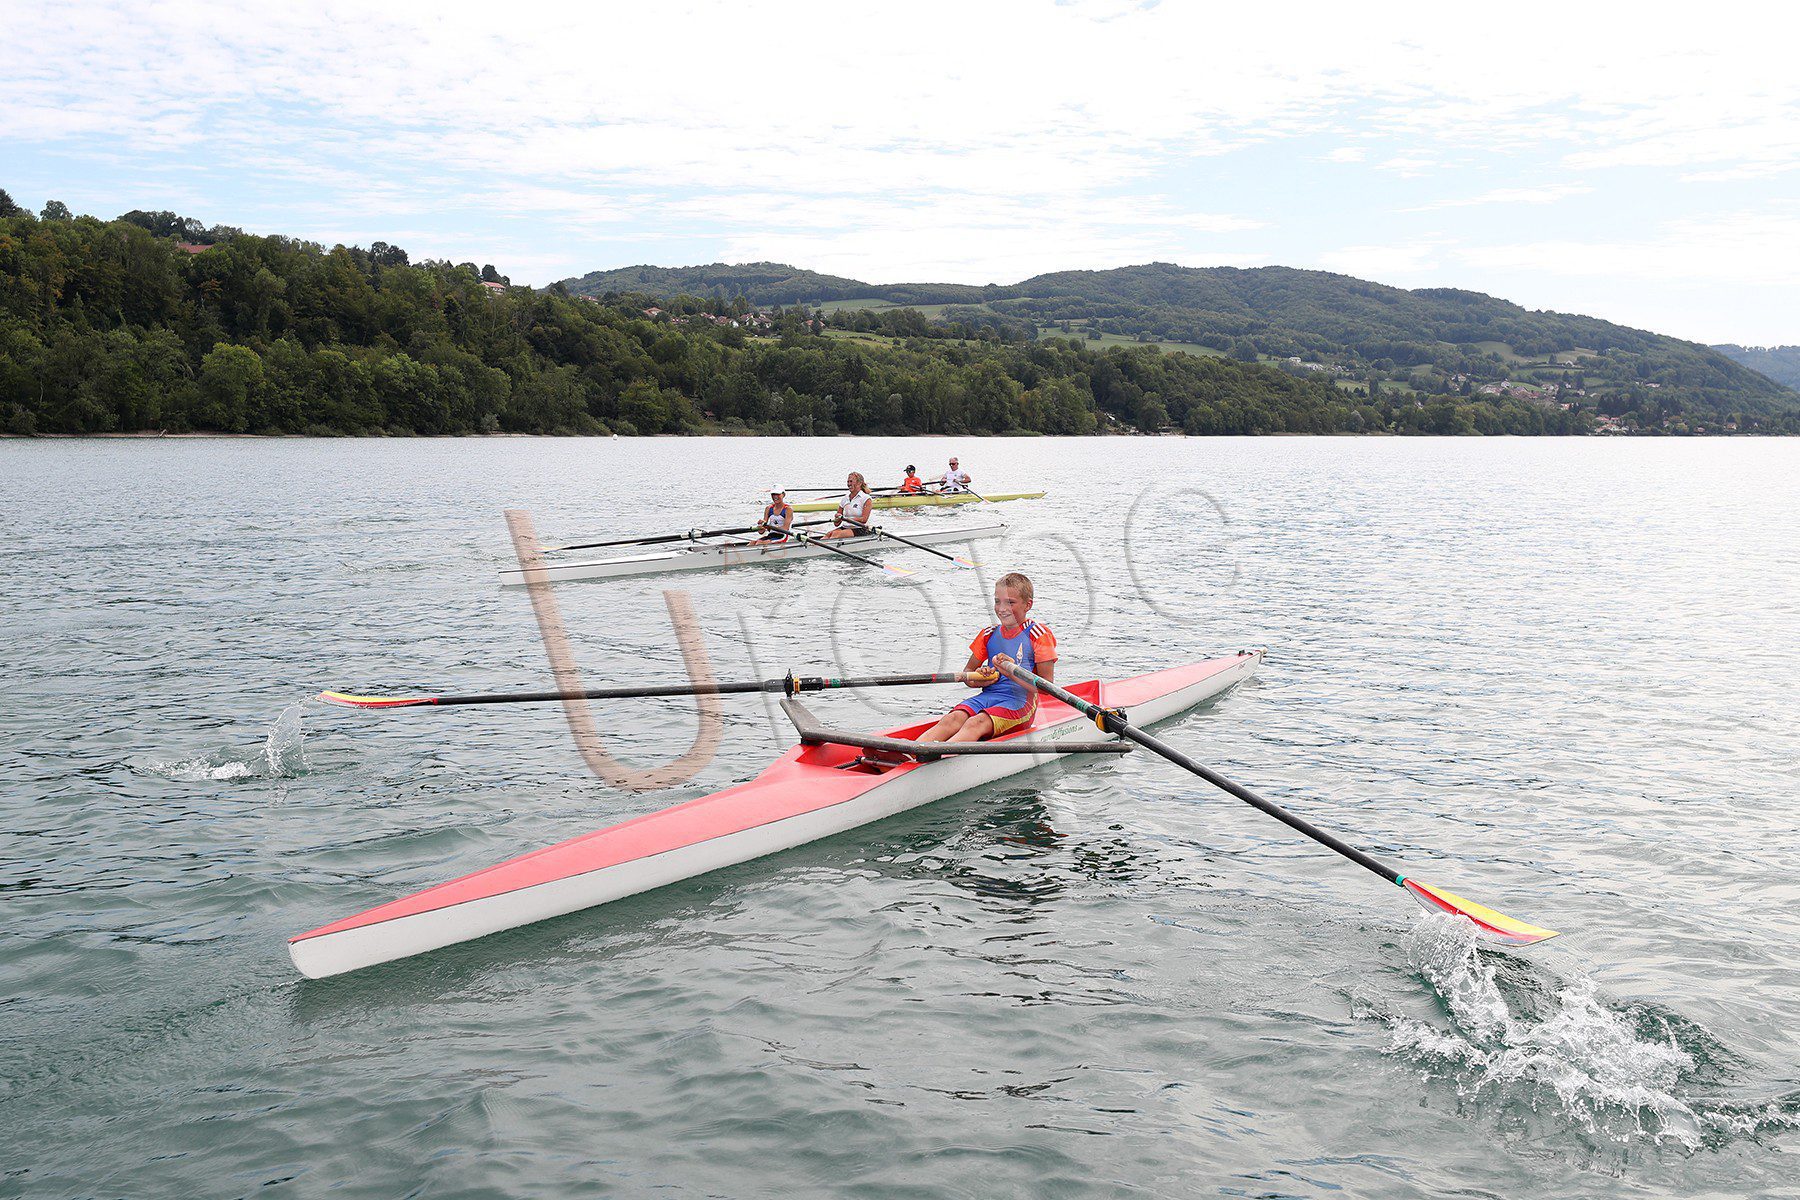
(955, 479)
(856, 507)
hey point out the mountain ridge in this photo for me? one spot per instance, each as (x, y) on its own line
(1428, 340)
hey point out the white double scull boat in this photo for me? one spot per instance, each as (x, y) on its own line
(716, 555)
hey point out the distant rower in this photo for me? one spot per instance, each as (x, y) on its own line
(955, 479)
(912, 483)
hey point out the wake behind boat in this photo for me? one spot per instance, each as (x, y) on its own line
(700, 555)
(829, 783)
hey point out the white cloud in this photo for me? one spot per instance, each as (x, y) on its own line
(1408, 167)
(1758, 247)
(1760, 170)
(1049, 95)
(1548, 194)
(1755, 248)
(1726, 278)
(956, 238)
(1401, 265)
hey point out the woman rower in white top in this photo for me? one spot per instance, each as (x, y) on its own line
(856, 507)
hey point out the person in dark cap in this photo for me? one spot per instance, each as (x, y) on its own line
(912, 482)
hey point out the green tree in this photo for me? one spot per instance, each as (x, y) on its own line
(411, 395)
(231, 381)
(1058, 407)
(22, 367)
(644, 406)
(56, 210)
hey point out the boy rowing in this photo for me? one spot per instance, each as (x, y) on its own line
(1002, 706)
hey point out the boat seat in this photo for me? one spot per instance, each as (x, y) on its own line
(813, 733)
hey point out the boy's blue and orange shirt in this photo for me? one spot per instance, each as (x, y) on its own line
(1030, 645)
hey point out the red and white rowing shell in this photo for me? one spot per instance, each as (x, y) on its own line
(800, 798)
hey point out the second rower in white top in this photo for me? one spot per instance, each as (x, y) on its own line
(856, 507)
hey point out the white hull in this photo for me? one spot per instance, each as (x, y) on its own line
(710, 556)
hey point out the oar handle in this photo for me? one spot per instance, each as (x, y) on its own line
(1115, 722)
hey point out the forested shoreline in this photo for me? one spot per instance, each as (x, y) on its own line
(154, 323)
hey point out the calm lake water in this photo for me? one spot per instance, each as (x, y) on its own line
(1555, 676)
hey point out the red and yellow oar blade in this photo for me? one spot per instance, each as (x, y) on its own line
(375, 701)
(1493, 926)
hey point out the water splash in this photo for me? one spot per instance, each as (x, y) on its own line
(282, 755)
(1540, 1054)
(216, 765)
(284, 749)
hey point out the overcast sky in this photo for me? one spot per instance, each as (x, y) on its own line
(1640, 164)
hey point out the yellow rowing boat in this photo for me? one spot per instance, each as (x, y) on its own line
(921, 500)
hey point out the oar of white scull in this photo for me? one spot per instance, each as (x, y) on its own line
(892, 536)
(692, 535)
(809, 539)
(1495, 926)
(789, 684)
